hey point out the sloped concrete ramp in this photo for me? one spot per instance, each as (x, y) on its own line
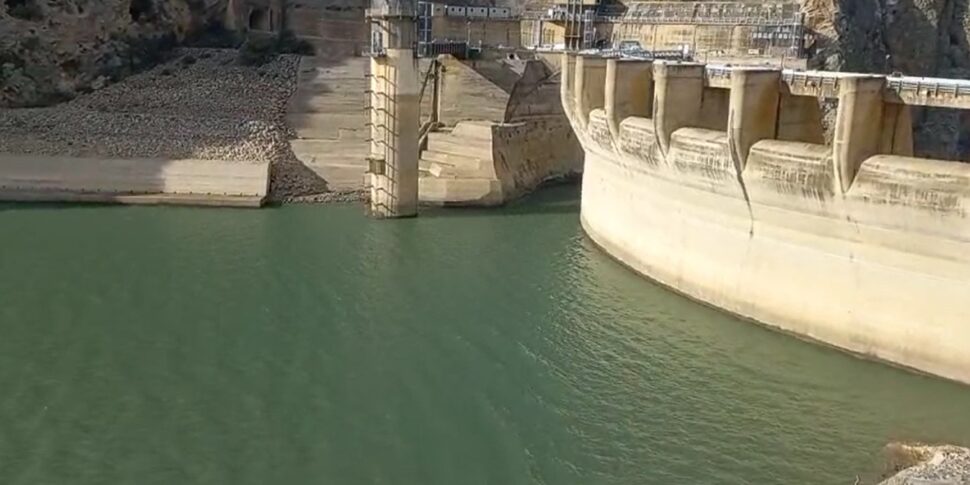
(327, 115)
(29, 178)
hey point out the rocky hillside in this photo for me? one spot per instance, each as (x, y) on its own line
(50, 50)
(913, 37)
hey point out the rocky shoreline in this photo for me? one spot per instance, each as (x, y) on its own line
(200, 104)
(915, 464)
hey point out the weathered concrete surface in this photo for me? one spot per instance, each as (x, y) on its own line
(327, 116)
(395, 117)
(458, 167)
(512, 136)
(489, 164)
(133, 181)
(856, 245)
(475, 90)
(337, 28)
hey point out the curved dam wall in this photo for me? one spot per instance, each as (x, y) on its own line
(716, 182)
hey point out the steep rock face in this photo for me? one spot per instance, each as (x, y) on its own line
(928, 38)
(915, 37)
(52, 49)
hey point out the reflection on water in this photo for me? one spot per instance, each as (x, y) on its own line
(312, 345)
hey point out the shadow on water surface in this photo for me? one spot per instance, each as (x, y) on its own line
(558, 199)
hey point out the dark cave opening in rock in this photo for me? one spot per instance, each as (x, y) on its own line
(259, 20)
(141, 10)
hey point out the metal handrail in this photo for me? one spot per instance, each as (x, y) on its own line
(829, 82)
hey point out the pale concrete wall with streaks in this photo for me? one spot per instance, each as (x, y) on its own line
(856, 244)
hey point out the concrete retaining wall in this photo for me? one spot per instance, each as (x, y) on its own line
(857, 244)
(144, 181)
(489, 164)
(509, 135)
(532, 151)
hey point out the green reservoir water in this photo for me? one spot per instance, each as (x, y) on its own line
(311, 345)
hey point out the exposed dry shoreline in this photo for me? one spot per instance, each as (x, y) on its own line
(200, 104)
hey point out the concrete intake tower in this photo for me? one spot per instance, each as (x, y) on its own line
(395, 92)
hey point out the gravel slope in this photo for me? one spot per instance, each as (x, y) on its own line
(201, 104)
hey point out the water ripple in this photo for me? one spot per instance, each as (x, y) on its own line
(309, 344)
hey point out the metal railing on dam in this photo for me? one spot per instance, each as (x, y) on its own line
(910, 90)
(719, 182)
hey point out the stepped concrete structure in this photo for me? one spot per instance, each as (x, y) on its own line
(504, 133)
(500, 127)
(458, 168)
(327, 111)
(326, 114)
(714, 181)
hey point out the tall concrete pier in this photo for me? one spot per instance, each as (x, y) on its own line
(395, 92)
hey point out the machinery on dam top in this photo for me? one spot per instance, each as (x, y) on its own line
(707, 30)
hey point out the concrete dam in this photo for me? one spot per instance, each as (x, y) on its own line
(718, 182)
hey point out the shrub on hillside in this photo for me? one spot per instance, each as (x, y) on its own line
(260, 48)
(289, 43)
(257, 50)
